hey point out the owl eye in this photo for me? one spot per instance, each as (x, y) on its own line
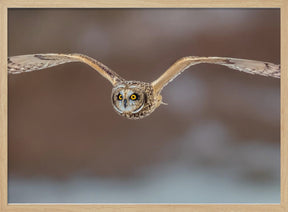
(119, 96)
(134, 96)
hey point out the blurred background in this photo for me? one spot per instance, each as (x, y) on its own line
(217, 141)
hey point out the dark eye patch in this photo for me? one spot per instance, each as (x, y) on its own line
(119, 96)
(134, 96)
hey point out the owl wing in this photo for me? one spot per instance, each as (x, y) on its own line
(248, 66)
(33, 62)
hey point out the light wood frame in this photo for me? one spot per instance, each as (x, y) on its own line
(6, 4)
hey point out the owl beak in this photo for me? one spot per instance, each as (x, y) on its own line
(125, 103)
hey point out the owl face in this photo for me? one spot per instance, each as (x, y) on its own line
(132, 99)
(128, 98)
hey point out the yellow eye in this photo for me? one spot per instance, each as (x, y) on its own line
(133, 97)
(120, 97)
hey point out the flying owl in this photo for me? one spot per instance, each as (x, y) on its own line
(135, 99)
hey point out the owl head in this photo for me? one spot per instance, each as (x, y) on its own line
(133, 99)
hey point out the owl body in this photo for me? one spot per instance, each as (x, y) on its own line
(134, 99)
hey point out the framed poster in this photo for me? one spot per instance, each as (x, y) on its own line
(216, 142)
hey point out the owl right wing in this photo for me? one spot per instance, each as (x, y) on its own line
(33, 62)
(248, 66)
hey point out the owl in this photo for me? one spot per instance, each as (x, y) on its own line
(135, 99)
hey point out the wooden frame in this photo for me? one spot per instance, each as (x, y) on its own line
(5, 4)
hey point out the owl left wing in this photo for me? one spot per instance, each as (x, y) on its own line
(33, 62)
(248, 66)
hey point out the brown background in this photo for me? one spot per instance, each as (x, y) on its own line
(61, 122)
